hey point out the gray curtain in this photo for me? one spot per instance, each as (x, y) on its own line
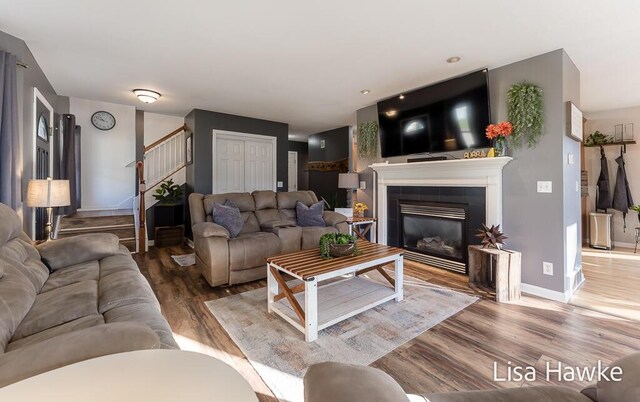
(9, 140)
(70, 161)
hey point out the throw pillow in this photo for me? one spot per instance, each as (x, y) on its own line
(228, 217)
(310, 216)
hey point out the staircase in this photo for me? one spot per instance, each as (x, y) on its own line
(119, 222)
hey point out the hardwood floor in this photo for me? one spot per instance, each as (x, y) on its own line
(612, 282)
(457, 354)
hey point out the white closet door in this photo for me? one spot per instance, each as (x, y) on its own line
(259, 160)
(230, 166)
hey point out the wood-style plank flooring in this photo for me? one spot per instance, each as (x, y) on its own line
(457, 354)
(612, 282)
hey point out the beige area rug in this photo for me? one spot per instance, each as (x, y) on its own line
(280, 355)
(185, 260)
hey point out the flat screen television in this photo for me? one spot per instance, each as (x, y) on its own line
(444, 117)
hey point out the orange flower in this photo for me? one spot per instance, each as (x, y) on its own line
(502, 129)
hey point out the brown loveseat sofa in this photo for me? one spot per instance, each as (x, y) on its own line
(95, 302)
(269, 229)
(338, 382)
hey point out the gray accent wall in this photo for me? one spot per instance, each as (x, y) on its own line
(325, 184)
(302, 148)
(200, 125)
(544, 227)
(29, 78)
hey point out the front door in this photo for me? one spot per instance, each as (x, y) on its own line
(43, 133)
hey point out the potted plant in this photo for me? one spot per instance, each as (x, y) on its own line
(169, 210)
(334, 245)
(499, 133)
(359, 208)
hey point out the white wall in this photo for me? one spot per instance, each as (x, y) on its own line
(158, 125)
(107, 182)
(605, 122)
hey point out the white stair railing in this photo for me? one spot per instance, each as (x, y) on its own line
(165, 157)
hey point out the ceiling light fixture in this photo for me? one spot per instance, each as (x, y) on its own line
(365, 91)
(401, 97)
(146, 95)
(454, 59)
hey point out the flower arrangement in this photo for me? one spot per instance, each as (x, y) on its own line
(359, 208)
(502, 129)
(499, 133)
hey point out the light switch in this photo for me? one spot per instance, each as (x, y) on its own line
(280, 184)
(363, 185)
(571, 159)
(545, 187)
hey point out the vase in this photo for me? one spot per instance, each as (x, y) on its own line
(359, 214)
(500, 147)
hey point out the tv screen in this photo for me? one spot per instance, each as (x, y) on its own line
(444, 117)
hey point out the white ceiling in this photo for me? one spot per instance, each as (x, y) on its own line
(305, 62)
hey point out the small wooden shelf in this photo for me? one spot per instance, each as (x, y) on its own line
(611, 144)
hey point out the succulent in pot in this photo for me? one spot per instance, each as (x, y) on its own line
(333, 245)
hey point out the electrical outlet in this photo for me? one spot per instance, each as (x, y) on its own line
(547, 268)
(545, 187)
(363, 185)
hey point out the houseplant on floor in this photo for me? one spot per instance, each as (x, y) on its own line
(334, 245)
(168, 214)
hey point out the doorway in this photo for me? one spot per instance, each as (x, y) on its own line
(243, 162)
(292, 167)
(43, 135)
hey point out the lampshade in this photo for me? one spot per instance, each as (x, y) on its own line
(48, 193)
(348, 180)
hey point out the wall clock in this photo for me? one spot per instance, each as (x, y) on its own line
(103, 120)
(43, 128)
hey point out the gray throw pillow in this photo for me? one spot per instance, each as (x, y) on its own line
(228, 217)
(310, 216)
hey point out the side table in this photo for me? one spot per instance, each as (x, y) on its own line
(496, 270)
(361, 226)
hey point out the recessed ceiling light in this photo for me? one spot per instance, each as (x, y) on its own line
(146, 95)
(391, 113)
(401, 97)
(454, 59)
(365, 91)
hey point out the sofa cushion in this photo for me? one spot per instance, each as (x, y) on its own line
(311, 236)
(147, 314)
(269, 215)
(11, 226)
(228, 217)
(71, 326)
(122, 289)
(78, 249)
(311, 215)
(265, 199)
(21, 254)
(86, 271)
(244, 201)
(251, 224)
(118, 263)
(250, 250)
(59, 306)
(18, 295)
(288, 200)
(626, 390)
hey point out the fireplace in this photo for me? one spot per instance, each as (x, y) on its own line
(434, 232)
(435, 225)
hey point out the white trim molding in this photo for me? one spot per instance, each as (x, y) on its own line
(482, 172)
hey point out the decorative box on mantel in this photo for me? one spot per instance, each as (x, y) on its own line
(481, 172)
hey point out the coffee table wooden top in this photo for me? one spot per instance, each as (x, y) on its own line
(308, 263)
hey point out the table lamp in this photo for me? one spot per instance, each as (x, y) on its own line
(48, 193)
(349, 181)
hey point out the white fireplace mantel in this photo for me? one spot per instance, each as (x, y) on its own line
(481, 172)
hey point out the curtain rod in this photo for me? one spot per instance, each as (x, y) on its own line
(21, 64)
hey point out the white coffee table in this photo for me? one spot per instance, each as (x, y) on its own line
(344, 293)
(146, 375)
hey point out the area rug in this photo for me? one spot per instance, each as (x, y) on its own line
(185, 260)
(280, 355)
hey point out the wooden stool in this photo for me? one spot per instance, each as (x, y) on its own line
(494, 270)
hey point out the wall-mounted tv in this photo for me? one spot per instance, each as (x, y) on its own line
(444, 117)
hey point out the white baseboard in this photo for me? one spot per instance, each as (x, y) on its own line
(623, 244)
(544, 293)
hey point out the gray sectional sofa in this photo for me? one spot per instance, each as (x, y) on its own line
(91, 301)
(337, 382)
(269, 229)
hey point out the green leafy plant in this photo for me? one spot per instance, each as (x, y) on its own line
(598, 138)
(525, 105)
(368, 140)
(336, 238)
(331, 203)
(168, 193)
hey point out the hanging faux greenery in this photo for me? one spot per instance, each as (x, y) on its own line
(524, 102)
(368, 140)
